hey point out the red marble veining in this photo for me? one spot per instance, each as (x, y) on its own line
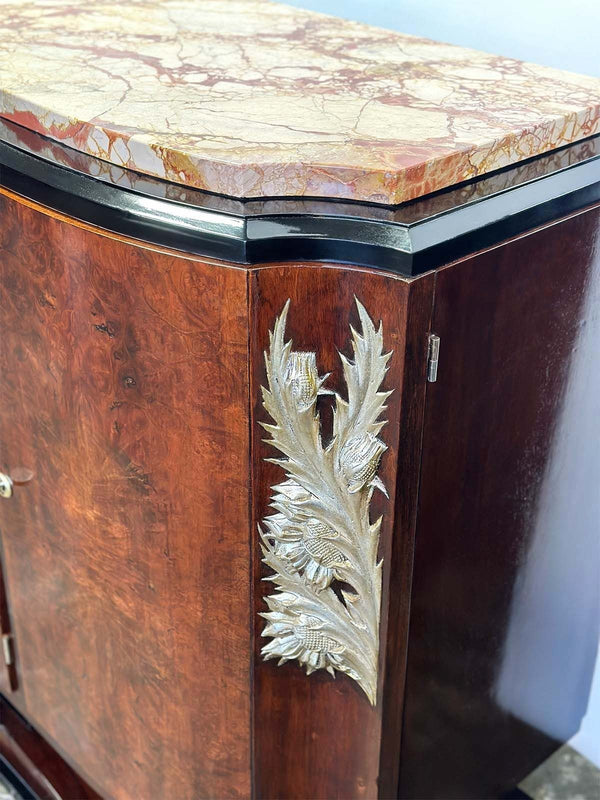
(252, 98)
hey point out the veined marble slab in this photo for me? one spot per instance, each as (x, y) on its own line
(252, 98)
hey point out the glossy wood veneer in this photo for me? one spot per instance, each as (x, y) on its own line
(125, 390)
(504, 607)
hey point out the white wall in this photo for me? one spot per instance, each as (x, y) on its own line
(557, 33)
(563, 34)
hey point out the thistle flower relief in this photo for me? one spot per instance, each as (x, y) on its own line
(359, 461)
(309, 546)
(302, 377)
(299, 636)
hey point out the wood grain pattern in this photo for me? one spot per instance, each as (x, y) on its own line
(503, 630)
(124, 376)
(316, 737)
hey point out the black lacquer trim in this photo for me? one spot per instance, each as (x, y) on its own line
(408, 239)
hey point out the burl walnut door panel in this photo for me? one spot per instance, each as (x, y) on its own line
(124, 389)
(504, 623)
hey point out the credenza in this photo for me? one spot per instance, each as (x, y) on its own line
(299, 409)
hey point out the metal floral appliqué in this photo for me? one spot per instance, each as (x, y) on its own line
(320, 541)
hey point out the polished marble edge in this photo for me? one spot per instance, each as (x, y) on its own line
(411, 211)
(411, 239)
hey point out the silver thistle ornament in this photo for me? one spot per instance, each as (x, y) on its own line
(321, 531)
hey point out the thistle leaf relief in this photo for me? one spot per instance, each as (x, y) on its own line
(320, 531)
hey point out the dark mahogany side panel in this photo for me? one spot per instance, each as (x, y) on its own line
(504, 618)
(316, 737)
(412, 407)
(125, 390)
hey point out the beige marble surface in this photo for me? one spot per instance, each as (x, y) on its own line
(252, 98)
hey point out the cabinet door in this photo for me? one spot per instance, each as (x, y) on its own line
(124, 390)
(504, 609)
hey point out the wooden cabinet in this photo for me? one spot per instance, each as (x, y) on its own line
(298, 413)
(131, 389)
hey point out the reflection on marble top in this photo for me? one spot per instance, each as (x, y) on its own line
(251, 98)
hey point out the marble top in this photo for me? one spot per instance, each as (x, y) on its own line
(252, 98)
